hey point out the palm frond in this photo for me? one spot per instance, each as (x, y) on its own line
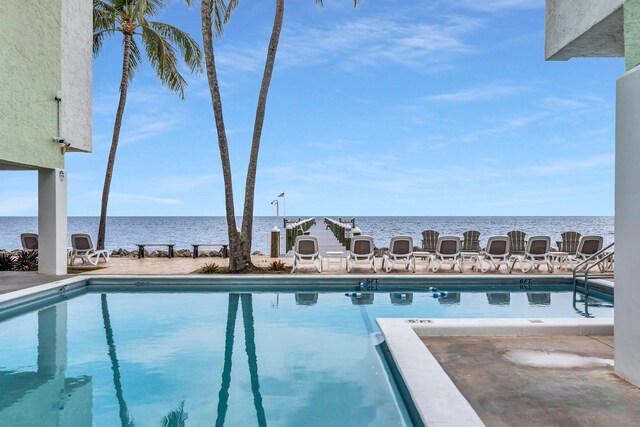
(98, 39)
(142, 8)
(162, 57)
(120, 5)
(189, 48)
(231, 6)
(219, 13)
(104, 23)
(135, 58)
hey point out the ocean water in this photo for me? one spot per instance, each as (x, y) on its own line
(125, 232)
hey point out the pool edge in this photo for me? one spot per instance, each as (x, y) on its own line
(446, 406)
(436, 398)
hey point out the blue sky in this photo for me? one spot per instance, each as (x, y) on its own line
(394, 108)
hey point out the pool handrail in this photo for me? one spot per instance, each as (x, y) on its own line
(599, 260)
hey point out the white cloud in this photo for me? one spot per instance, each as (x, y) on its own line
(497, 5)
(554, 102)
(140, 127)
(363, 41)
(572, 165)
(479, 93)
(141, 198)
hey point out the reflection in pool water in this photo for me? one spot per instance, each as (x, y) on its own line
(310, 358)
(44, 395)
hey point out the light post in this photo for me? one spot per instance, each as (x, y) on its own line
(284, 207)
(277, 204)
(275, 233)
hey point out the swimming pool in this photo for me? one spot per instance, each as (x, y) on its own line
(110, 356)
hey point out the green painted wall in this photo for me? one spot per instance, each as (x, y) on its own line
(30, 59)
(632, 33)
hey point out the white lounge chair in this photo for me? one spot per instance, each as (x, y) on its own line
(82, 248)
(496, 254)
(306, 253)
(362, 253)
(29, 241)
(588, 246)
(447, 253)
(535, 255)
(400, 252)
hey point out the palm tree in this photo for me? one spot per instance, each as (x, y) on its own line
(239, 241)
(132, 18)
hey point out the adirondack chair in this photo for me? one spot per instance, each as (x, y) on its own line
(517, 243)
(430, 240)
(569, 243)
(471, 241)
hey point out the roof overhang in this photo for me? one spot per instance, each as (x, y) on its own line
(584, 28)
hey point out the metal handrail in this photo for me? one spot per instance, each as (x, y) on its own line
(586, 273)
(586, 261)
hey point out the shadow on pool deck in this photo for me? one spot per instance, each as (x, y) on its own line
(15, 280)
(504, 393)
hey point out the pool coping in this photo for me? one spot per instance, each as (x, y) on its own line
(445, 405)
(436, 398)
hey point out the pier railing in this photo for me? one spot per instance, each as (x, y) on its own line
(295, 229)
(343, 230)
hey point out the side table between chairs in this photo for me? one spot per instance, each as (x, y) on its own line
(334, 257)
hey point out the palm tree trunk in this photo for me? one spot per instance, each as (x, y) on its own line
(223, 395)
(252, 358)
(124, 85)
(247, 218)
(236, 262)
(125, 418)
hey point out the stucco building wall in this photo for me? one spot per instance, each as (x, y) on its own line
(77, 55)
(30, 77)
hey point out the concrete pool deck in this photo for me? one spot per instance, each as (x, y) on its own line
(527, 381)
(507, 372)
(190, 265)
(11, 281)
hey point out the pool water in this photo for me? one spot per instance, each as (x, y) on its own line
(219, 358)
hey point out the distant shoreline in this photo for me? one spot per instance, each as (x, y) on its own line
(125, 231)
(332, 216)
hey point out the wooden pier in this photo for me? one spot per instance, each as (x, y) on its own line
(327, 241)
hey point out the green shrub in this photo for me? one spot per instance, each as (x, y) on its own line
(7, 262)
(26, 261)
(277, 266)
(210, 268)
